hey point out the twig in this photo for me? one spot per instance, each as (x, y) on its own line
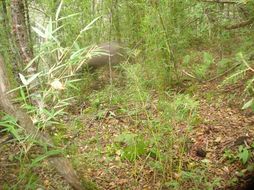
(190, 75)
(240, 25)
(248, 66)
(224, 73)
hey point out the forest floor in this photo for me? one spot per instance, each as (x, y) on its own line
(211, 147)
(224, 127)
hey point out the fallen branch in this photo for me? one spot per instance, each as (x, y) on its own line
(241, 24)
(224, 73)
(248, 66)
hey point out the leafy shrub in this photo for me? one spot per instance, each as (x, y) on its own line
(201, 70)
(130, 146)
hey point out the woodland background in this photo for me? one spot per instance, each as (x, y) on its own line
(176, 113)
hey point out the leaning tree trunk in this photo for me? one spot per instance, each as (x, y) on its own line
(61, 164)
(20, 32)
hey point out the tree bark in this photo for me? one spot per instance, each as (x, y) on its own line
(15, 56)
(19, 28)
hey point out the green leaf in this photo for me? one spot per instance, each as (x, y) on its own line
(186, 60)
(49, 29)
(23, 94)
(42, 157)
(10, 125)
(89, 26)
(243, 154)
(59, 10)
(248, 104)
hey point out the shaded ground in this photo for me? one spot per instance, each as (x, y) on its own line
(222, 126)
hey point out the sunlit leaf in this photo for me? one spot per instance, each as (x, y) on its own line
(39, 32)
(89, 26)
(59, 10)
(248, 104)
(23, 79)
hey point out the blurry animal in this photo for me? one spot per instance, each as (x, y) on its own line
(109, 53)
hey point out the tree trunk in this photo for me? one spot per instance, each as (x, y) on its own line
(19, 28)
(12, 49)
(61, 164)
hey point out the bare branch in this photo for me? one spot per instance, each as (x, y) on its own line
(241, 24)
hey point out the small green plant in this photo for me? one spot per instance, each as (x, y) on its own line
(28, 178)
(186, 60)
(249, 104)
(199, 180)
(10, 125)
(229, 155)
(223, 65)
(201, 70)
(173, 184)
(243, 68)
(136, 83)
(130, 146)
(243, 154)
(183, 107)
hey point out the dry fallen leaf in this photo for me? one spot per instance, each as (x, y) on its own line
(57, 85)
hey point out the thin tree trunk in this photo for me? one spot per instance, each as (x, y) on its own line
(28, 24)
(115, 19)
(19, 28)
(15, 61)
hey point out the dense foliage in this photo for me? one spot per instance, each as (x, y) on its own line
(172, 47)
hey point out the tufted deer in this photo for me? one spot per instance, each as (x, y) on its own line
(108, 53)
